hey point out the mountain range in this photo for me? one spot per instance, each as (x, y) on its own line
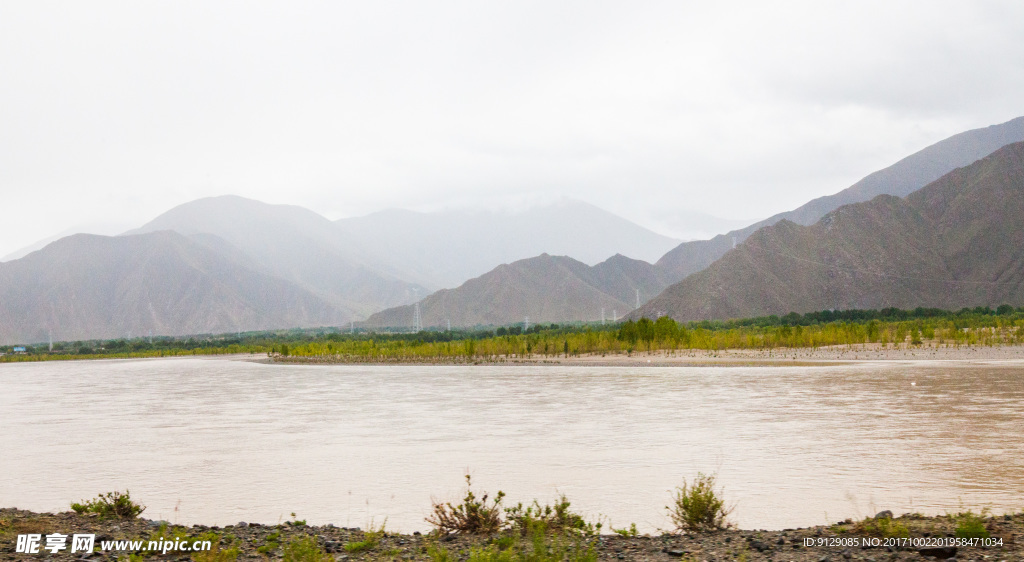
(957, 242)
(500, 298)
(900, 179)
(331, 272)
(229, 263)
(444, 249)
(541, 289)
(162, 283)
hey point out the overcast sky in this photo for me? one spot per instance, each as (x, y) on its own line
(115, 112)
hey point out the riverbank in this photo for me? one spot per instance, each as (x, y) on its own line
(925, 540)
(790, 357)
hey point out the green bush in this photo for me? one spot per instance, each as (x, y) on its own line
(881, 527)
(697, 507)
(112, 505)
(971, 526)
(555, 518)
(472, 516)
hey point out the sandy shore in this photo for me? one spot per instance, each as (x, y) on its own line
(840, 542)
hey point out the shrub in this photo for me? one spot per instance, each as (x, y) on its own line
(971, 526)
(305, 549)
(697, 507)
(111, 505)
(472, 516)
(555, 518)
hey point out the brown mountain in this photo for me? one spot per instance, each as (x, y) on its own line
(900, 179)
(957, 242)
(544, 289)
(91, 287)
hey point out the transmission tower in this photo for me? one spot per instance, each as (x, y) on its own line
(417, 322)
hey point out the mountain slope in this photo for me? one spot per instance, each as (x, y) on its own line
(957, 242)
(295, 244)
(446, 248)
(900, 179)
(90, 287)
(544, 288)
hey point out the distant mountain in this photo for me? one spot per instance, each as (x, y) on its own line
(957, 242)
(297, 245)
(444, 249)
(545, 288)
(90, 287)
(105, 229)
(900, 179)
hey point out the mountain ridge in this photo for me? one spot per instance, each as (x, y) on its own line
(901, 178)
(954, 243)
(162, 283)
(544, 289)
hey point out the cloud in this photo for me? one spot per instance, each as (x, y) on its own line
(117, 111)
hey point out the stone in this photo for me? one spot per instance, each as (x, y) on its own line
(939, 552)
(241, 524)
(675, 552)
(883, 515)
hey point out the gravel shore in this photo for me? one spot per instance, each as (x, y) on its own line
(836, 543)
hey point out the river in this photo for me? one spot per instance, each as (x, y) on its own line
(217, 441)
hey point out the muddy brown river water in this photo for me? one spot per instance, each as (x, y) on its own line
(217, 441)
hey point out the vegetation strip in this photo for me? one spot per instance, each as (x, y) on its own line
(889, 328)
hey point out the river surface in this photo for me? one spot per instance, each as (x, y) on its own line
(218, 441)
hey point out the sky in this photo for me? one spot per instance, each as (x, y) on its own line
(113, 112)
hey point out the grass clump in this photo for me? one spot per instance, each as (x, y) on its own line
(305, 549)
(472, 516)
(886, 527)
(697, 506)
(371, 539)
(541, 544)
(112, 505)
(273, 542)
(630, 532)
(216, 554)
(971, 526)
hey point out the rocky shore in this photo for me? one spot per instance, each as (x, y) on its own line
(882, 539)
